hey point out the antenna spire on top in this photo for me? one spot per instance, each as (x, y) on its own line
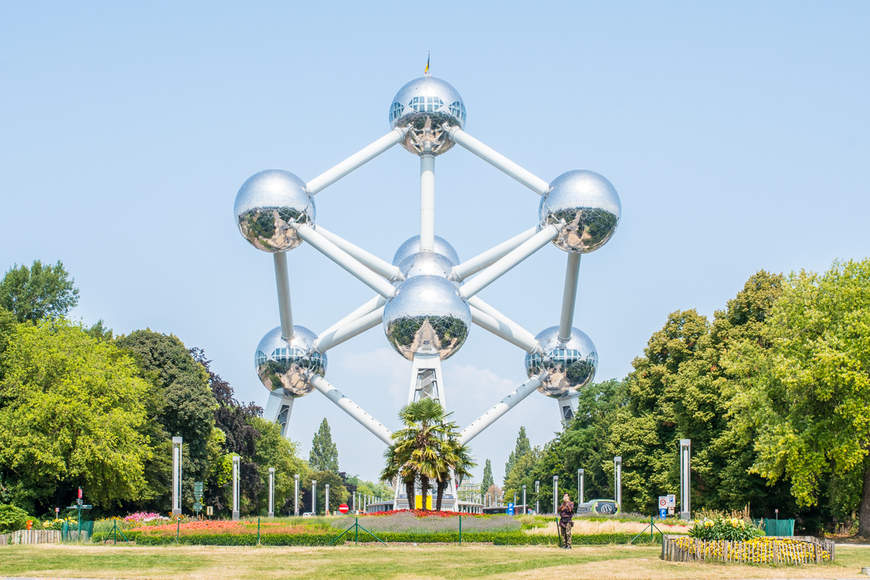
(426, 72)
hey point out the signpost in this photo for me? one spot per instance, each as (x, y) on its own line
(672, 503)
(80, 505)
(663, 506)
(510, 509)
(198, 488)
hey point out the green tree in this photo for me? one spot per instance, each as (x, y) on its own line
(337, 491)
(324, 453)
(522, 447)
(271, 449)
(811, 401)
(41, 291)
(487, 480)
(71, 414)
(522, 474)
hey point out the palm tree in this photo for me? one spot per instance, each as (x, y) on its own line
(456, 459)
(398, 469)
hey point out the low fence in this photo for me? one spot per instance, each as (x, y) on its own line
(31, 537)
(763, 550)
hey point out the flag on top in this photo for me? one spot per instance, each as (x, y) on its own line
(426, 72)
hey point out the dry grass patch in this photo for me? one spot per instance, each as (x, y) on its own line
(589, 527)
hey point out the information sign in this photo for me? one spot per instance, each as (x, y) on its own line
(672, 501)
(197, 507)
(663, 513)
(510, 509)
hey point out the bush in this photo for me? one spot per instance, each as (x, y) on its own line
(12, 518)
(723, 528)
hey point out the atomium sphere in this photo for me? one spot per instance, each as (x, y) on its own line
(270, 206)
(427, 264)
(426, 315)
(412, 246)
(423, 107)
(287, 366)
(589, 207)
(571, 364)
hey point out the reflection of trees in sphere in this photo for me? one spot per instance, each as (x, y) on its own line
(423, 106)
(427, 264)
(269, 207)
(426, 315)
(571, 364)
(286, 367)
(412, 246)
(588, 205)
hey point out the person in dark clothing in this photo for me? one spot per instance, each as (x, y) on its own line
(566, 520)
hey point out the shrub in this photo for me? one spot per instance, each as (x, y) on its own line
(724, 528)
(12, 518)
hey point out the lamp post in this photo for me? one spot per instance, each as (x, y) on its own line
(176, 476)
(236, 460)
(555, 494)
(525, 509)
(326, 507)
(537, 502)
(617, 480)
(271, 492)
(314, 496)
(296, 495)
(686, 479)
(581, 480)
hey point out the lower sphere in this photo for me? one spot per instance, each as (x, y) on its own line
(570, 365)
(287, 366)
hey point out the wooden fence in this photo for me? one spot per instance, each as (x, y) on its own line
(31, 537)
(763, 550)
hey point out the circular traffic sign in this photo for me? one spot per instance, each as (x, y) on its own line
(343, 508)
(663, 502)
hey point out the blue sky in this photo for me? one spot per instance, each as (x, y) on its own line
(736, 135)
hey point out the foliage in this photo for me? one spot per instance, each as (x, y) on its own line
(487, 480)
(337, 491)
(721, 527)
(41, 291)
(71, 414)
(425, 521)
(324, 453)
(271, 449)
(12, 518)
(522, 447)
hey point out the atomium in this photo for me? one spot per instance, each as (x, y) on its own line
(425, 299)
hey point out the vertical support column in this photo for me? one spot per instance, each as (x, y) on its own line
(326, 507)
(426, 380)
(427, 202)
(581, 485)
(271, 492)
(685, 479)
(617, 480)
(236, 464)
(314, 496)
(278, 410)
(555, 494)
(296, 495)
(282, 282)
(176, 476)
(567, 409)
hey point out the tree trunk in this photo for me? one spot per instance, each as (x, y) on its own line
(441, 486)
(424, 489)
(409, 491)
(864, 510)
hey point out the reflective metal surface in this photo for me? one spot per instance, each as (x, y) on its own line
(427, 264)
(286, 367)
(427, 315)
(571, 365)
(423, 106)
(268, 208)
(412, 246)
(588, 205)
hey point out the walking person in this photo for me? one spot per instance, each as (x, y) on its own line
(566, 520)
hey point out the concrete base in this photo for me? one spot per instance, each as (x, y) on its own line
(685, 516)
(271, 514)
(176, 512)
(235, 516)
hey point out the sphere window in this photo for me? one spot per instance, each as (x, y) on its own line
(426, 104)
(457, 109)
(396, 111)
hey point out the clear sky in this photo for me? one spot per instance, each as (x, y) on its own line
(735, 133)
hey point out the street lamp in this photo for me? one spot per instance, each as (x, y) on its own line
(271, 492)
(176, 476)
(525, 508)
(326, 507)
(314, 496)
(236, 460)
(617, 480)
(685, 479)
(537, 491)
(581, 476)
(555, 493)
(296, 495)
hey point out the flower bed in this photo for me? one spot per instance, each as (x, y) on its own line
(760, 550)
(422, 522)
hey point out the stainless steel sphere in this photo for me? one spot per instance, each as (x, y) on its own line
(412, 246)
(589, 207)
(287, 366)
(427, 315)
(427, 264)
(571, 364)
(269, 207)
(423, 107)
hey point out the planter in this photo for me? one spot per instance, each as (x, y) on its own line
(764, 550)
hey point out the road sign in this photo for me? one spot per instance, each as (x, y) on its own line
(197, 507)
(663, 501)
(209, 510)
(510, 510)
(663, 513)
(343, 508)
(672, 500)
(671, 511)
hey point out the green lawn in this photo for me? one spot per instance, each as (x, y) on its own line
(395, 561)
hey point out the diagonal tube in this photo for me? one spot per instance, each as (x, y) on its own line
(489, 257)
(569, 297)
(353, 409)
(497, 323)
(329, 340)
(282, 281)
(355, 161)
(346, 261)
(366, 308)
(499, 161)
(497, 411)
(504, 265)
(377, 265)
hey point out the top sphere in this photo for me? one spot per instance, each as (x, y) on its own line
(589, 207)
(571, 365)
(412, 246)
(422, 107)
(269, 207)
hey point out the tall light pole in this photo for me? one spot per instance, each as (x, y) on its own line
(236, 460)
(537, 499)
(685, 479)
(555, 494)
(314, 496)
(271, 492)
(581, 477)
(326, 507)
(176, 476)
(296, 495)
(525, 508)
(617, 480)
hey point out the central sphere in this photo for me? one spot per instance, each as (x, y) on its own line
(412, 246)
(287, 366)
(571, 365)
(270, 206)
(422, 107)
(427, 315)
